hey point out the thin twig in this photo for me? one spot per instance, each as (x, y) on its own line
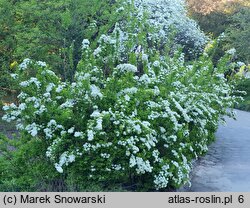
(8, 90)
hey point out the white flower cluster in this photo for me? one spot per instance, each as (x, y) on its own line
(41, 63)
(65, 159)
(231, 51)
(95, 91)
(32, 129)
(24, 64)
(123, 68)
(141, 165)
(85, 44)
(30, 81)
(161, 180)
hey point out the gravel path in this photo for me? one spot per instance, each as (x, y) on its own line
(226, 167)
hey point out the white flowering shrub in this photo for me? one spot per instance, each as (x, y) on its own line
(169, 16)
(135, 117)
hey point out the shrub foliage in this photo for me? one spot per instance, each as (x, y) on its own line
(132, 115)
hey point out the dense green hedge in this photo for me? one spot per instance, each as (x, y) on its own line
(244, 85)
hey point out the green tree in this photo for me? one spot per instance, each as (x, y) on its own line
(52, 31)
(7, 42)
(238, 33)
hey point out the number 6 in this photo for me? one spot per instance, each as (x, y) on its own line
(241, 199)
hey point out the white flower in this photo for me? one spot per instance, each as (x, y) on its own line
(14, 76)
(137, 128)
(24, 84)
(106, 39)
(71, 130)
(156, 90)
(22, 95)
(173, 137)
(46, 95)
(13, 105)
(22, 106)
(63, 159)
(156, 64)
(145, 79)
(161, 180)
(131, 90)
(146, 124)
(221, 76)
(99, 124)
(126, 68)
(35, 81)
(86, 147)
(68, 104)
(116, 167)
(97, 51)
(95, 91)
(32, 129)
(51, 123)
(163, 130)
(144, 57)
(48, 72)
(41, 110)
(120, 9)
(85, 44)
(50, 87)
(105, 155)
(71, 158)
(156, 154)
(41, 63)
(24, 64)
(59, 88)
(58, 168)
(143, 166)
(20, 126)
(127, 98)
(240, 64)
(63, 132)
(78, 134)
(231, 51)
(132, 161)
(247, 75)
(48, 132)
(6, 107)
(176, 164)
(90, 134)
(96, 113)
(33, 132)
